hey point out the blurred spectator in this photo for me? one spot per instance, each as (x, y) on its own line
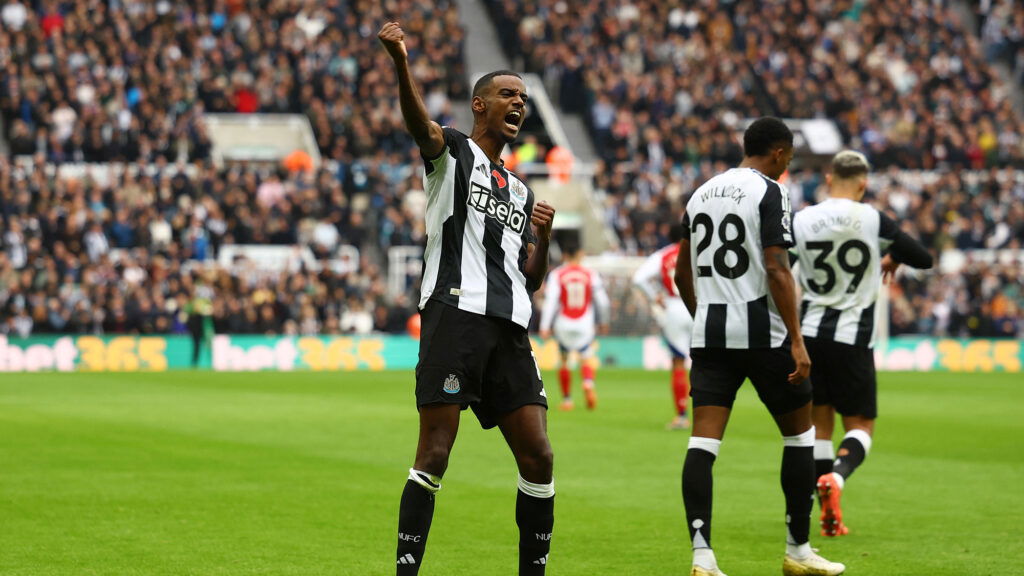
(356, 318)
(14, 15)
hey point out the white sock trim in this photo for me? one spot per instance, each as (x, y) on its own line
(706, 444)
(429, 482)
(537, 490)
(705, 558)
(805, 440)
(861, 436)
(824, 450)
(799, 551)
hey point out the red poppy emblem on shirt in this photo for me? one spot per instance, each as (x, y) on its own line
(497, 177)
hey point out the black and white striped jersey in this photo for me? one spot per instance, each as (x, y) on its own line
(839, 243)
(729, 221)
(478, 227)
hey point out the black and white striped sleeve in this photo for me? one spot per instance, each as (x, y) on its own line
(776, 218)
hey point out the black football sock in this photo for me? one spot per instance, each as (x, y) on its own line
(414, 517)
(697, 489)
(535, 516)
(798, 483)
(852, 452)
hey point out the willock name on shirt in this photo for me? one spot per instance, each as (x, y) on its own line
(729, 192)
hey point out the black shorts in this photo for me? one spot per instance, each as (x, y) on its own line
(718, 373)
(843, 376)
(481, 362)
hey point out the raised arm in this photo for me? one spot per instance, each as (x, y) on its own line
(783, 291)
(427, 133)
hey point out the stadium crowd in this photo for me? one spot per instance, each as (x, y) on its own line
(974, 212)
(128, 81)
(1000, 24)
(664, 95)
(904, 81)
(136, 254)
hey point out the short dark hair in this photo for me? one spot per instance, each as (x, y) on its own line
(764, 135)
(486, 79)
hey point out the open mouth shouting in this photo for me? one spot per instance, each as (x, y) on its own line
(513, 119)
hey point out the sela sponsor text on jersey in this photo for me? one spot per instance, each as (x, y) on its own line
(484, 201)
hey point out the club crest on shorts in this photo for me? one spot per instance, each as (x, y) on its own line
(451, 384)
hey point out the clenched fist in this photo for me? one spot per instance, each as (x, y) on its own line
(543, 216)
(393, 39)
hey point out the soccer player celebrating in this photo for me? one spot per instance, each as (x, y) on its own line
(575, 302)
(655, 279)
(839, 243)
(735, 280)
(487, 249)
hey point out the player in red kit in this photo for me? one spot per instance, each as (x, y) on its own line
(655, 279)
(575, 306)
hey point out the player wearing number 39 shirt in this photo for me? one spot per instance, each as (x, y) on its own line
(840, 244)
(733, 275)
(575, 303)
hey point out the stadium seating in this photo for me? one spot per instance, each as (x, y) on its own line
(129, 82)
(663, 88)
(665, 85)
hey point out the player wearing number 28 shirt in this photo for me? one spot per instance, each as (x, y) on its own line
(733, 275)
(840, 244)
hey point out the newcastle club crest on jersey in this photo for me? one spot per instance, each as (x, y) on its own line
(451, 384)
(518, 189)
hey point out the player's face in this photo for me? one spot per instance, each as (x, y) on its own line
(505, 109)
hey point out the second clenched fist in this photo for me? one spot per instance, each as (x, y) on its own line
(542, 217)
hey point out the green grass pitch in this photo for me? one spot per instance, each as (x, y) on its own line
(300, 474)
